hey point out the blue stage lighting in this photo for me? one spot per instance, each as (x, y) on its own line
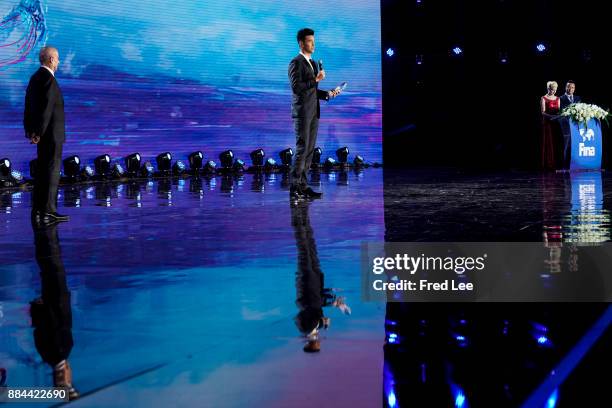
(87, 172)
(286, 157)
(329, 162)
(270, 164)
(227, 159)
(503, 57)
(164, 162)
(210, 167)
(457, 51)
(5, 167)
(132, 164)
(195, 161)
(257, 157)
(552, 400)
(147, 169)
(390, 52)
(419, 59)
(102, 165)
(541, 47)
(72, 167)
(178, 168)
(117, 171)
(239, 165)
(391, 399)
(342, 154)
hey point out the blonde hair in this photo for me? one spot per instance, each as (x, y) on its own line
(551, 84)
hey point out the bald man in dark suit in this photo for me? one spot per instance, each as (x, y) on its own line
(44, 125)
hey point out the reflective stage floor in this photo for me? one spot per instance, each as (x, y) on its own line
(206, 292)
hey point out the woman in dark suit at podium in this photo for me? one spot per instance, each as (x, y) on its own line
(551, 130)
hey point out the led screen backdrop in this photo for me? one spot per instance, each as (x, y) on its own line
(156, 75)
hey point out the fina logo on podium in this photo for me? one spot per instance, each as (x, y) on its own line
(588, 135)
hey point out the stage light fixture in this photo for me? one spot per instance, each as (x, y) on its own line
(227, 159)
(210, 167)
(102, 165)
(270, 164)
(286, 157)
(147, 169)
(257, 157)
(195, 161)
(132, 164)
(419, 59)
(117, 171)
(87, 172)
(5, 168)
(390, 52)
(178, 168)
(503, 57)
(358, 161)
(164, 162)
(541, 47)
(72, 167)
(33, 167)
(457, 51)
(16, 177)
(239, 165)
(316, 156)
(342, 154)
(330, 162)
(9, 177)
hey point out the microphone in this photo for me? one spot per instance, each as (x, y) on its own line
(320, 65)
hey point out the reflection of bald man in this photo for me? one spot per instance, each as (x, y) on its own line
(43, 121)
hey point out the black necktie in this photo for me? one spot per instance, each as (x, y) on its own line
(312, 63)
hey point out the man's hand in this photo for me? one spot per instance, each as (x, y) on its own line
(333, 93)
(320, 76)
(34, 139)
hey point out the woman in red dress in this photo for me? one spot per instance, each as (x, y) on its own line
(551, 130)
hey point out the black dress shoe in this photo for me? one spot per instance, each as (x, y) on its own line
(57, 216)
(310, 193)
(44, 219)
(295, 194)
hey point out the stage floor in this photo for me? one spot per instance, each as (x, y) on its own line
(184, 292)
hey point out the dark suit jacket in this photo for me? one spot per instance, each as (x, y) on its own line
(565, 102)
(306, 92)
(44, 108)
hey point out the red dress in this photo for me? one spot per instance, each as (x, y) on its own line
(551, 134)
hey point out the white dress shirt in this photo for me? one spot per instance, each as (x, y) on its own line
(48, 69)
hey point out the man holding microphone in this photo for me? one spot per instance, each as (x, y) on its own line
(304, 77)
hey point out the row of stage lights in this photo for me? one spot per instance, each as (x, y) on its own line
(104, 168)
(502, 55)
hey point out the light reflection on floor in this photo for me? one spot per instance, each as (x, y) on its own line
(185, 291)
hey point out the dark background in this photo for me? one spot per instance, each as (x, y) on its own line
(473, 110)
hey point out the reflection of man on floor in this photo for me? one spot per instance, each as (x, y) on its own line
(312, 296)
(52, 312)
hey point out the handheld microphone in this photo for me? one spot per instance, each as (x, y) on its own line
(320, 65)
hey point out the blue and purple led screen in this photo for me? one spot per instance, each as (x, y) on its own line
(157, 75)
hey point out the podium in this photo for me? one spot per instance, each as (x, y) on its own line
(586, 145)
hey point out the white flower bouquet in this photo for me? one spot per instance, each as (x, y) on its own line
(583, 112)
